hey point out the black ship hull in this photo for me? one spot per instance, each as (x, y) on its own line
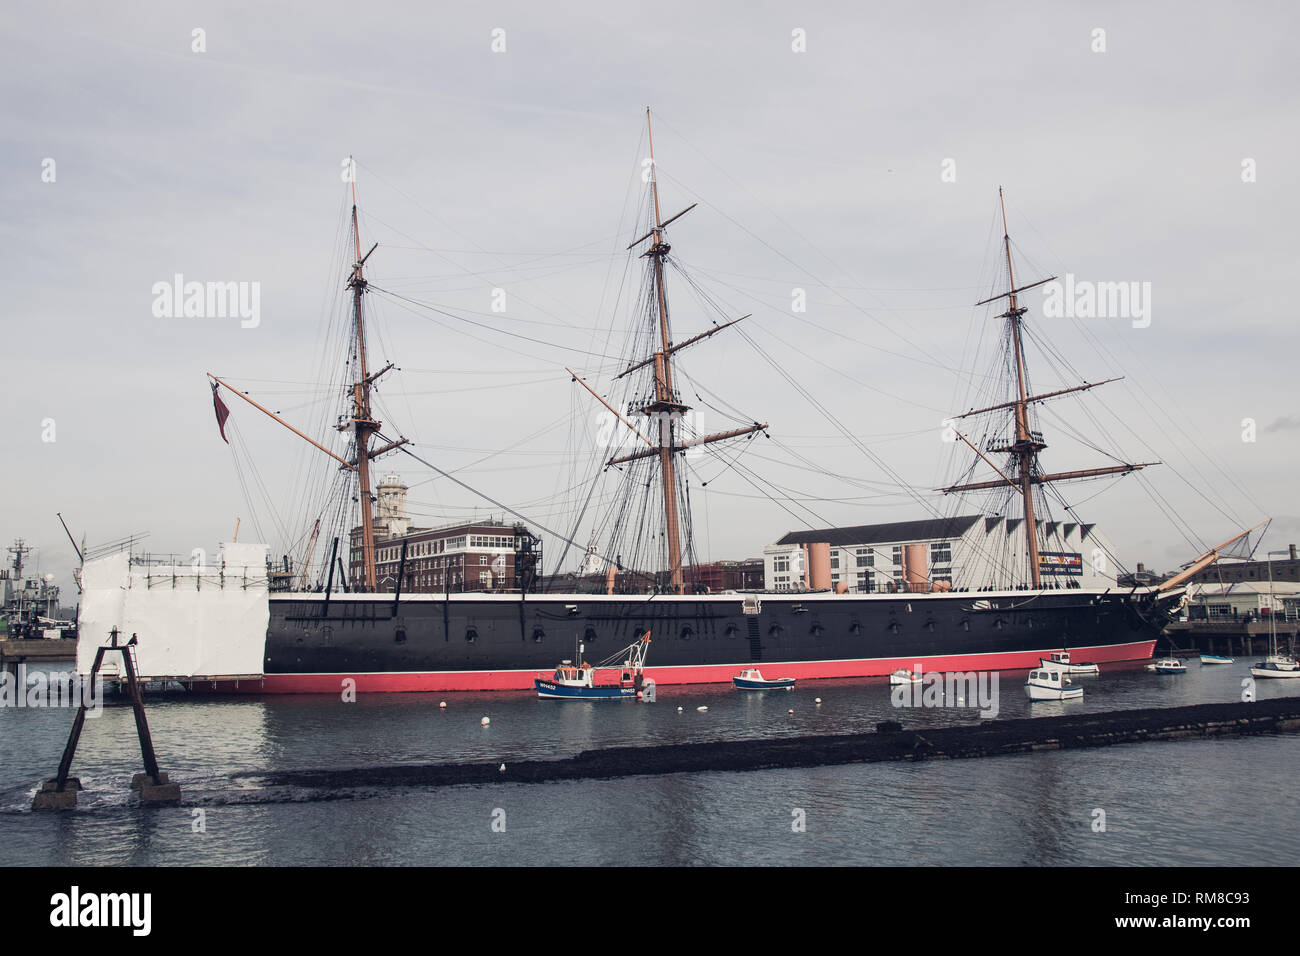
(453, 642)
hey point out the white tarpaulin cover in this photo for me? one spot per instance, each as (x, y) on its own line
(189, 620)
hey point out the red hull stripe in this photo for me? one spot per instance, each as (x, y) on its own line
(701, 674)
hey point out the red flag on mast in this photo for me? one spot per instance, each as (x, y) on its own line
(222, 413)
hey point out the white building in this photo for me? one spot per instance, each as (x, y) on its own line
(969, 552)
(1243, 600)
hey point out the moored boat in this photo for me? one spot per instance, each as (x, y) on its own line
(1168, 665)
(903, 677)
(1215, 659)
(753, 679)
(1050, 684)
(577, 681)
(1060, 660)
(1276, 666)
(384, 626)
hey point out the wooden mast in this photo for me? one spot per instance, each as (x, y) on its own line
(1025, 447)
(1027, 444)
(665, 406)
(362, 423)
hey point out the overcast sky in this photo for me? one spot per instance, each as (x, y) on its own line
(1167, 158)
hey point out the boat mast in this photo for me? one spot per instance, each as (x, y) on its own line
(1027, 443)
(1026, 446)
(362, 422)
(665, 407)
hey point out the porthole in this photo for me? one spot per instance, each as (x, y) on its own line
(399, 636)
(686, 632)
(471, 634)
(589, 635)
(539, 634)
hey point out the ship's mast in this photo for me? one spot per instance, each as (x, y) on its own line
(1027, 444)
(19, 550)
(665, 406)
(361, 421)
(1026, 447)
(364, 425)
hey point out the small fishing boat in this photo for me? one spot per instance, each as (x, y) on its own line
(578, 681)
(1215, 659)
(1051, 684)
(1168, 665)
(1060, 660)
(752, 679)
(904, 676)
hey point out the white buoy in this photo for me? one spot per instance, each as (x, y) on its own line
(790, 712)
(679, 710)
(502, 768)
(442, 704)
(701, 709)
(485, 721)
(817, 700)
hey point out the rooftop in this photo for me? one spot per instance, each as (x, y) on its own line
(922, 530)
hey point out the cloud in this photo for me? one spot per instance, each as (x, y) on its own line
(1287, 423)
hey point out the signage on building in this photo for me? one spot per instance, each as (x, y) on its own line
(1060, 562)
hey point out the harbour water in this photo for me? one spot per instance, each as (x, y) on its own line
(1182, 803)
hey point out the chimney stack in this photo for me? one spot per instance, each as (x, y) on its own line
(1141, 568)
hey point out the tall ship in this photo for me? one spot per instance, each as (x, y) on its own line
(389, 610)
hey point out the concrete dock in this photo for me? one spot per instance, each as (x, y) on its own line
(38, 651)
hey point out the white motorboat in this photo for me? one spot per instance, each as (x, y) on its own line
(1060, 660)
(1050, 683)
(903, 676)
(1276, 666)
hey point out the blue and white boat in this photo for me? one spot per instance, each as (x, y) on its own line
(1169, 665)
(578, 681)
(752, 679)
(1215, 659)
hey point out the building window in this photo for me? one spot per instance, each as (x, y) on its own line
(781, 563)
(941, 553)
(898, 555)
